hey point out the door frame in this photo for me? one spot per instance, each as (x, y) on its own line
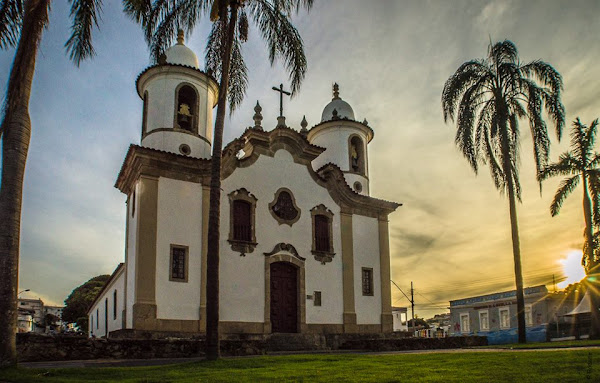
(300, 289)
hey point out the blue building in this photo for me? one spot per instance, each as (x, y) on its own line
(495, 315)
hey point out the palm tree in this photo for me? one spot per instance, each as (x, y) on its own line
(161, 21)
(487, 98)
(22, 23)
(581, 165)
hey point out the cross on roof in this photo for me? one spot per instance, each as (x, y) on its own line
(281, 93)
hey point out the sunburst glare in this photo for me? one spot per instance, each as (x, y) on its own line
(572, 268)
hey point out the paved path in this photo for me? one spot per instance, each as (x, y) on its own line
(166, 361)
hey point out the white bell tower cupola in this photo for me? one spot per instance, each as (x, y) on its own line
(178, 102)
(345, 140)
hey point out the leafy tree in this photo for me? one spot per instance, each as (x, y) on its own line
(81, 298)
(22, 23)
(580, 165)
(487, 98)
(161, 21)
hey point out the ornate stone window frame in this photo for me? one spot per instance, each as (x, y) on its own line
(242, 247)
(362, 163)
(282, 221)
(322, 256)
(194, 108)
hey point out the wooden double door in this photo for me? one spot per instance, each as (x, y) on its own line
(284, 297)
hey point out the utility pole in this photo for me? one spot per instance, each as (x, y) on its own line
(412, 302)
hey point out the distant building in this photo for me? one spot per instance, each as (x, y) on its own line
(495, 315)
(32, 316)
(35, 307)
(400, 318)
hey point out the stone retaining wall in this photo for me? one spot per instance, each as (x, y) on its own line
(36, 347)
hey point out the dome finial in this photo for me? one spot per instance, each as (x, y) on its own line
(180, 37)
(336, 91)
(257, 116)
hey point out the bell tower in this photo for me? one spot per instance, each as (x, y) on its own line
(346, 141)
(178, 101)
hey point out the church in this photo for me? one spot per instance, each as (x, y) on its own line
(304, 246)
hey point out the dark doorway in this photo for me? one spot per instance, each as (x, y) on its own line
(284, 297)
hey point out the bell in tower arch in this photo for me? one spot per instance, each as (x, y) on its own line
(186, 107)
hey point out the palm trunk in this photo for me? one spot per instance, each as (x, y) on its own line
(16, 133)
(514, 226)
(591, 269)
(212, 278)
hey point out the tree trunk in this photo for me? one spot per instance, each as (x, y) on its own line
(212, 277)
(514, 226)
(16, 133)
(592, 283)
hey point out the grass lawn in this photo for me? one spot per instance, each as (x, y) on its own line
(566, 343)
(523, 366)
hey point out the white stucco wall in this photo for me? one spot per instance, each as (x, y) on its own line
(171, 141)
(365, 235)
(179, 223)
(114, 323)
(242, 286)
(131, 251)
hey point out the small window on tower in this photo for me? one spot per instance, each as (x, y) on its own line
(145, 114)
(187, 107)
(179, 263)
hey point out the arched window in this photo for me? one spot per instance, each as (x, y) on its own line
(145, 114)
(322, 244)
(356, 155)
(242, 235)
(187, 109)
(283, 207)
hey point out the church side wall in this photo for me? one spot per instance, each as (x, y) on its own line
(132, 224)
(179, 223)
(242, 281)
(365, 233)
(97, 319)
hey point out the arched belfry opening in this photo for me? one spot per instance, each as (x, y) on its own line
(187, 109)
(356, 153)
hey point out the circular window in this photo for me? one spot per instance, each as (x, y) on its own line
(185, 149)
(358, 186)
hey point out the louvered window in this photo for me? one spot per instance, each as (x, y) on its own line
(242, 221)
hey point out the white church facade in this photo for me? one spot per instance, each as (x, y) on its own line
(304, 248)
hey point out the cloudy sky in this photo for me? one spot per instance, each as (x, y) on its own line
(451, 237)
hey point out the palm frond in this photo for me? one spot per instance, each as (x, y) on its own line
(594, 189)
(214, 50)
(566, 187)
(85, 16)
(567, 165)
(464, 77)
(539, 130)
(503, 52)
(282, 38)
(11, 19)
(238, 76)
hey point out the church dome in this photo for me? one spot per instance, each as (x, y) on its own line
(181, 55)
(342, 108)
